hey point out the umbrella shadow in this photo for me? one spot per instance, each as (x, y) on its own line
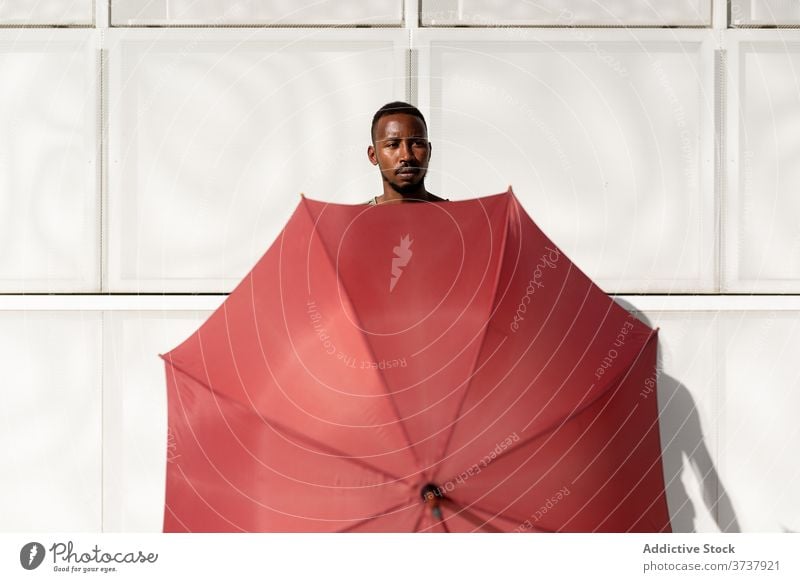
(683, 442)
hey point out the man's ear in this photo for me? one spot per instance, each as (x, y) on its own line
(371, 155)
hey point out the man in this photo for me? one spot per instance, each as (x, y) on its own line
(401, 150)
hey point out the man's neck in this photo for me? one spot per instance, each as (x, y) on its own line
(394, 197)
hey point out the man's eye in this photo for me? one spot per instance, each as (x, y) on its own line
(391, 144)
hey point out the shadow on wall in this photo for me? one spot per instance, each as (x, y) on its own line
(682, 438)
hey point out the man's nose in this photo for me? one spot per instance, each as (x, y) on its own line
(405, 150)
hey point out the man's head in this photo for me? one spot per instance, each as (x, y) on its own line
(400, 147)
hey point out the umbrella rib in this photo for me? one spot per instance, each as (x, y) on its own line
(494, 307)
(371, 518)
(494, 513)
(443, 523)
(468, 515)
(389, 394)
(419, 521)
(616, 383)
(613, 381)
(336, 453)
(289, 432)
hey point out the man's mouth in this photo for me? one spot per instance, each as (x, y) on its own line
(407, 171)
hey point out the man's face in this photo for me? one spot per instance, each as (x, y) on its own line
(401, 151)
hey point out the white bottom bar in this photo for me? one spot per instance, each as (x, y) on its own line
(386, 557)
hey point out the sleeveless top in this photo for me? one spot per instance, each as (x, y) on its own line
(374, 201)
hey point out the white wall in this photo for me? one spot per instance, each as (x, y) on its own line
(165, 160)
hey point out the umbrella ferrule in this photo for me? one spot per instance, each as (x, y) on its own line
(432, 496)
(431, 493)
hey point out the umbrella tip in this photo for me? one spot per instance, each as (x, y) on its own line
(430, 492)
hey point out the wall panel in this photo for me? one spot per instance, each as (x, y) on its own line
(213, 135)
(688, 397)
(608, 142)
(764, 12)
(135, 410)
(256, 12)
(762, 236)
(47, 12)
(49, 199)
(759, 433)
(50, 421)
(618, 13)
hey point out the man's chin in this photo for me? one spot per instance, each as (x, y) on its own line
(407, 189)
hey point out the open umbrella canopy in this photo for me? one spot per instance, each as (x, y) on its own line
(415, 367)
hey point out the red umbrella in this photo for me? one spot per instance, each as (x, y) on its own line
(415, 367)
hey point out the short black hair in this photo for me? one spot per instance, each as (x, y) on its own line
(396, 107)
